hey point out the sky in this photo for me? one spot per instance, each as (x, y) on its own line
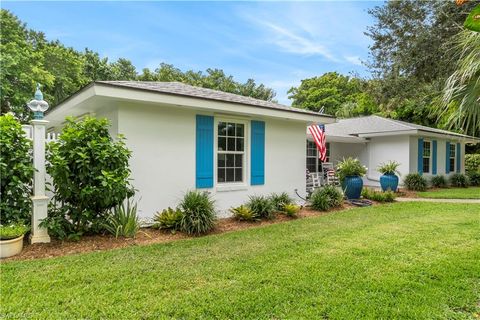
(275, 43)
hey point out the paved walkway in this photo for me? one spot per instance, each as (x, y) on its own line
(438, 200)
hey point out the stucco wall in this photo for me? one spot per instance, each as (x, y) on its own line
(383, 149)
(162, 139)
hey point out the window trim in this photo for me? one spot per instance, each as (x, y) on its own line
(429, 157)
(453, 146)
(231, 186)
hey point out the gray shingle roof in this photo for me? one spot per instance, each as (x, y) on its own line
(377, 124)
(182, 89)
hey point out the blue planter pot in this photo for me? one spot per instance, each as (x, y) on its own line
(352, 186)
(389, 182)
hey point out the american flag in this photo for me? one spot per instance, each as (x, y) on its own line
(318, 134)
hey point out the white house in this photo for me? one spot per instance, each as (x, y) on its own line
(184, 137)
(375, 140)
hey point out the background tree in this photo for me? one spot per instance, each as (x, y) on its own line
(335, 93)
(461, 99)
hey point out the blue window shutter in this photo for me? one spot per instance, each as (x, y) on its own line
(447, 158)
(434, 157)
(257, 153)
(204, 152)
(459, 157)
(420, 156)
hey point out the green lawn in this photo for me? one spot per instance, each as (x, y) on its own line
(403, 260)
(453, 193)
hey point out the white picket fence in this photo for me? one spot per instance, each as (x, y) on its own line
(50, 136)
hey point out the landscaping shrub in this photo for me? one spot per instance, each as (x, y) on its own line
(415, 182)
(244, 213)
(261, 206)
(474, 178)
(198, 213)
(90, 176)
(458, 180)
(326, 197)
(13, 231)
(438, 181)
(379, 196)
(16, 172)
(123, 220)
(168, 219)
(472, 163)
(280, 200)
(291, 210)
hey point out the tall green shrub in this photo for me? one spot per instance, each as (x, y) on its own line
(16, 172)
(472, 163)
(198, 213)
(90, 175)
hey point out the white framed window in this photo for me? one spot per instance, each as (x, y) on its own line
(427, 156)
(313, 162)
(452, 156)
(231, 145)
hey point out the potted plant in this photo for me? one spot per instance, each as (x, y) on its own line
(388, 180)
(350, 172)
(11, 239)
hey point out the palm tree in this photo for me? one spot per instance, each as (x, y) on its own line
(461, 95)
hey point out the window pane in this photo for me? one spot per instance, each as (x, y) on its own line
(328, 150)
(452, 150)
(230, 160)
(452, 164)
(230, 175)
(221, 160)
(426, 165)
(231, 144)
(231, 129)
(311, 164)
(222, 144)
(221, 175)
(239, 144)
(238, 160)
(222, 131)
(238, 175)
(239, 131)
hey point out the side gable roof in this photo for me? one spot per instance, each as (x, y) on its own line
(182, 89)
(376, 125)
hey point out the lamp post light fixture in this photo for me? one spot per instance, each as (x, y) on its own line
(39, 198)
(38, 105)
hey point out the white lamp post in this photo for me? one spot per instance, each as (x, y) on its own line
(39, 199)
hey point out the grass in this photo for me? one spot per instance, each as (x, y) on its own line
(452, 193)
(402, 260)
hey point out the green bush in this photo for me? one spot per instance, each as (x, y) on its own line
(474, 178)
(168, 219)
(123, 220)
(90, 175)
(198, 213)
(291, 210)
(280, 200)
(326, 197)
(472, 163)
(261, 206)
(390, 167)
(16, 172)
(459, 180)
(350, 167)
(379, 196)
(13, 231)
(415, 182)
(244, 213)
(438, 182)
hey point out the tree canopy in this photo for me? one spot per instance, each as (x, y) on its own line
(27, 58)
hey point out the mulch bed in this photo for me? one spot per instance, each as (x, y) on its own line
(145, 236)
